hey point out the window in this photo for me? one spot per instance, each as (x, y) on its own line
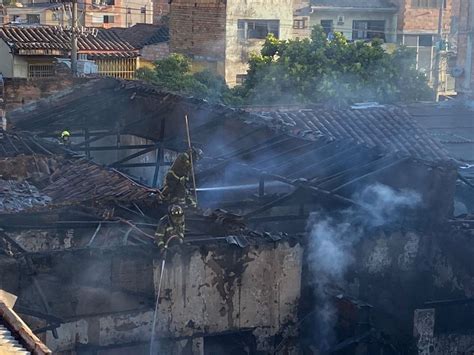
(257, 29)
(327, 26)
(240, 78)
(32, 18)
(427, 3)
(110, 2)
(368, 29)
(97, 19)
(40, 70)
(425, 40)
(299, 24)
(108, 19)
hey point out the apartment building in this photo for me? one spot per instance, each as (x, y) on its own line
(221, 35)
(91, 13)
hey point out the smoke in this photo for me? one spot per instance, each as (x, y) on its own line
(333, 239)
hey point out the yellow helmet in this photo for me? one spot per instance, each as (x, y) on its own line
(65, 134)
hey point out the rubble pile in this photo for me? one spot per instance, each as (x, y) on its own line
(16, 196)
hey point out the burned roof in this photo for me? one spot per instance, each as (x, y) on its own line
(350, 4)
(142, 34)
(51, 40)
(140, 109)
(33, 175)
(389, 128)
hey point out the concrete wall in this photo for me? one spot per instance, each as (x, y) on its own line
(350, 16)
(6, 60)
(227, 289)
(237, 52)
(429, 343)
(106, 296)
(161, 9)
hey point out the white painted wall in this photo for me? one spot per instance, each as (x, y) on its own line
(349, 16)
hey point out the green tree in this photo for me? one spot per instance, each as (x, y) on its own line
(332, 71)
(174, 74)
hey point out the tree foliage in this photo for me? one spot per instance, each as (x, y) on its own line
(315, 70)
(174, 74)
(332, 71)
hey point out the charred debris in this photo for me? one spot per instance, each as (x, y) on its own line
(77, 226)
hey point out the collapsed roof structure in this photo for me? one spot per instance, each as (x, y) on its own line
(84, 230)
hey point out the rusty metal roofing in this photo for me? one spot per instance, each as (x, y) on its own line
(390, 128)
(51, 39)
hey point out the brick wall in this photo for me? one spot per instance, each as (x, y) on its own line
(21, 91)
(197, 28)
(155, 52)
(423, 20)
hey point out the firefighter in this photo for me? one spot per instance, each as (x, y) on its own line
(171, 226)
(176, 186)
(64, 139)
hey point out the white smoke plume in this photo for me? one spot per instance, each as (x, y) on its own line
(333, 238)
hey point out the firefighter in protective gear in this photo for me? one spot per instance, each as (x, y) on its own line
(65, 135)
(170, 226)
(176, 186)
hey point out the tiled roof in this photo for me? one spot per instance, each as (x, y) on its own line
(389, 128)
(142, 34)
(82, 180)
(32, 40)
(365, 4)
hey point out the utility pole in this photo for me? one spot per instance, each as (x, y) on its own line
(74, 39)
(438, 52)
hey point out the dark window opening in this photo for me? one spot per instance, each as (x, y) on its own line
(32, 19)
(368, 30)
(427, 4)
(108, 19)
(299, 24)
(327, 26)
(425, 40)
(230, 344)
(240, 78)
(257, 29)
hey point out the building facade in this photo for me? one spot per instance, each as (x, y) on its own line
(31, 52)
(91, 13)
(364, 20)
(462, 67)
(117, 13)
(221, 35)
(44, 13)
(425, 25)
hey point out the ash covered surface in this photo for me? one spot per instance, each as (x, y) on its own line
(16, 196)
